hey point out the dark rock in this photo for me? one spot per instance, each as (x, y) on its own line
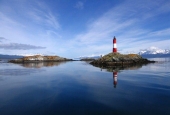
(116, 59)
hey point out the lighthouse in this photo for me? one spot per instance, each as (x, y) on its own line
(114, 45)
(114, 79)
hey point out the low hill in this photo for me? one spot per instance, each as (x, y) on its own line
(2, 56)
(155, 55)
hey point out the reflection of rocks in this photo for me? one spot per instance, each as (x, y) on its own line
(41, 64)
(116, 59)
(117, 68)
(39, 58)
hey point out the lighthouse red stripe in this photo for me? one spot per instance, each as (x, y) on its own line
(114, 73)
(114, 45)
(114, 40)
(114, 49)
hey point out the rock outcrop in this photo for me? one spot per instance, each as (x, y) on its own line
(117, 59)
(41, 64)
(39, 58)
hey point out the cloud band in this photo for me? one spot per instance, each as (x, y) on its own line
(17, 46)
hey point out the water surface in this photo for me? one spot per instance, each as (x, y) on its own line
(80, 88)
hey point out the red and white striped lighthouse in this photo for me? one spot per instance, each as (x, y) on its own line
(114, 79)
(114, 45)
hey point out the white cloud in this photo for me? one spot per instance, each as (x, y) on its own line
(2, 38)
(79, 5)
(45, 18)
(35, 23)
(16, 46)
(125, 22)
(164, 32)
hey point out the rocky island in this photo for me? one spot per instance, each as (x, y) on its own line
(117, 59)
(39, 58)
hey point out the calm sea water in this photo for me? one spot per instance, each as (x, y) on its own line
(78, 88)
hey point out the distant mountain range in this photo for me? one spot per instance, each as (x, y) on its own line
(151, 52)
(89, 57)
(154, 52)
(10, 56)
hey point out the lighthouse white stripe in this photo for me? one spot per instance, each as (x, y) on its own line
(115, 78)
(114, 46)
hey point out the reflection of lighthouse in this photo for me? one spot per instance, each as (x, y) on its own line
(115, 79)
(114, 45)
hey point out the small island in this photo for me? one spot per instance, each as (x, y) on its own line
(39, 58)
(117, 59)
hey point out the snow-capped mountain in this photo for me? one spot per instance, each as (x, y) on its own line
(154, 50)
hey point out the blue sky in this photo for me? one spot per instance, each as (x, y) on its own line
(73, 28)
